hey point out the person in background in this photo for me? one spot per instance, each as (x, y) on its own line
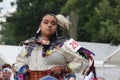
(7, 72)
(13, 70)
(1, 77)
(50, 55)
(6, 65)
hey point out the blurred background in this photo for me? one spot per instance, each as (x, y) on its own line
(95, 24)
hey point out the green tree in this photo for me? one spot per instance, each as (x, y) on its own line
(98, 20)
(25, 21)
(110, 27)
(105, 23)
(84, 10)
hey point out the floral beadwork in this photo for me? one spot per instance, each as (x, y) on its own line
(53, 46)
(29, 48)
(48, 47)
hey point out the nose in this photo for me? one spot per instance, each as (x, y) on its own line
(49, 25)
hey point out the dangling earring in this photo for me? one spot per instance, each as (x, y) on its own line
(37, 33)
(38, 30)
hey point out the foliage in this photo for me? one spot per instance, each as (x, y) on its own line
(25, 21)
(104, 24)
(1, 0)
(99, 20)
(84, 9)
(110, 26)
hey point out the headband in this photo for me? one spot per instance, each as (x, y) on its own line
(7, 70)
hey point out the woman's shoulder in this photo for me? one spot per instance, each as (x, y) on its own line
(28, 41)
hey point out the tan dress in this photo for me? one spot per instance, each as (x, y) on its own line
(62, 56)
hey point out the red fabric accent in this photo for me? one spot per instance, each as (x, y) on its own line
(90, 68)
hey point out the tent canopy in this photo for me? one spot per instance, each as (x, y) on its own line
(8, 54)
(113, 58)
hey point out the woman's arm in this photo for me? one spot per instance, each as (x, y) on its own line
(21, 58)
(77, 63)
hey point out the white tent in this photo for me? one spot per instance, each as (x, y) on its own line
(8, 54)
(113, 58)
(103, 53)
(106, 59)
(3, 59)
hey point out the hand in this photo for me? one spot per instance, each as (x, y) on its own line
(55, 71)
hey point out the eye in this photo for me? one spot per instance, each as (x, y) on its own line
(45, 22)
(54, 23)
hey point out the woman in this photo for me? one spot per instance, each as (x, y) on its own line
(49, 54)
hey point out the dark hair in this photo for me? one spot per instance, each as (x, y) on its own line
(6, 65)
(48, 14)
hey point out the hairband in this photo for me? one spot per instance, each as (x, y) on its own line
(7, 70)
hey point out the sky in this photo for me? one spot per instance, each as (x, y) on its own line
(6, 6)
(6, 9)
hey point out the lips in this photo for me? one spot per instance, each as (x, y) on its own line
(50, 30)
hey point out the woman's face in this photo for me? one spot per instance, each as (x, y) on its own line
(48, 26)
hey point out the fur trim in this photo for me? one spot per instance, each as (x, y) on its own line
(63, 21)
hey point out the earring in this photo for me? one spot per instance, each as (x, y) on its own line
(37, 33)
(38, 30)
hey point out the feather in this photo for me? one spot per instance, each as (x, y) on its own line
(63, 21)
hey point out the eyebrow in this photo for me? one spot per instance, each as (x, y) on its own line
(48, 20)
